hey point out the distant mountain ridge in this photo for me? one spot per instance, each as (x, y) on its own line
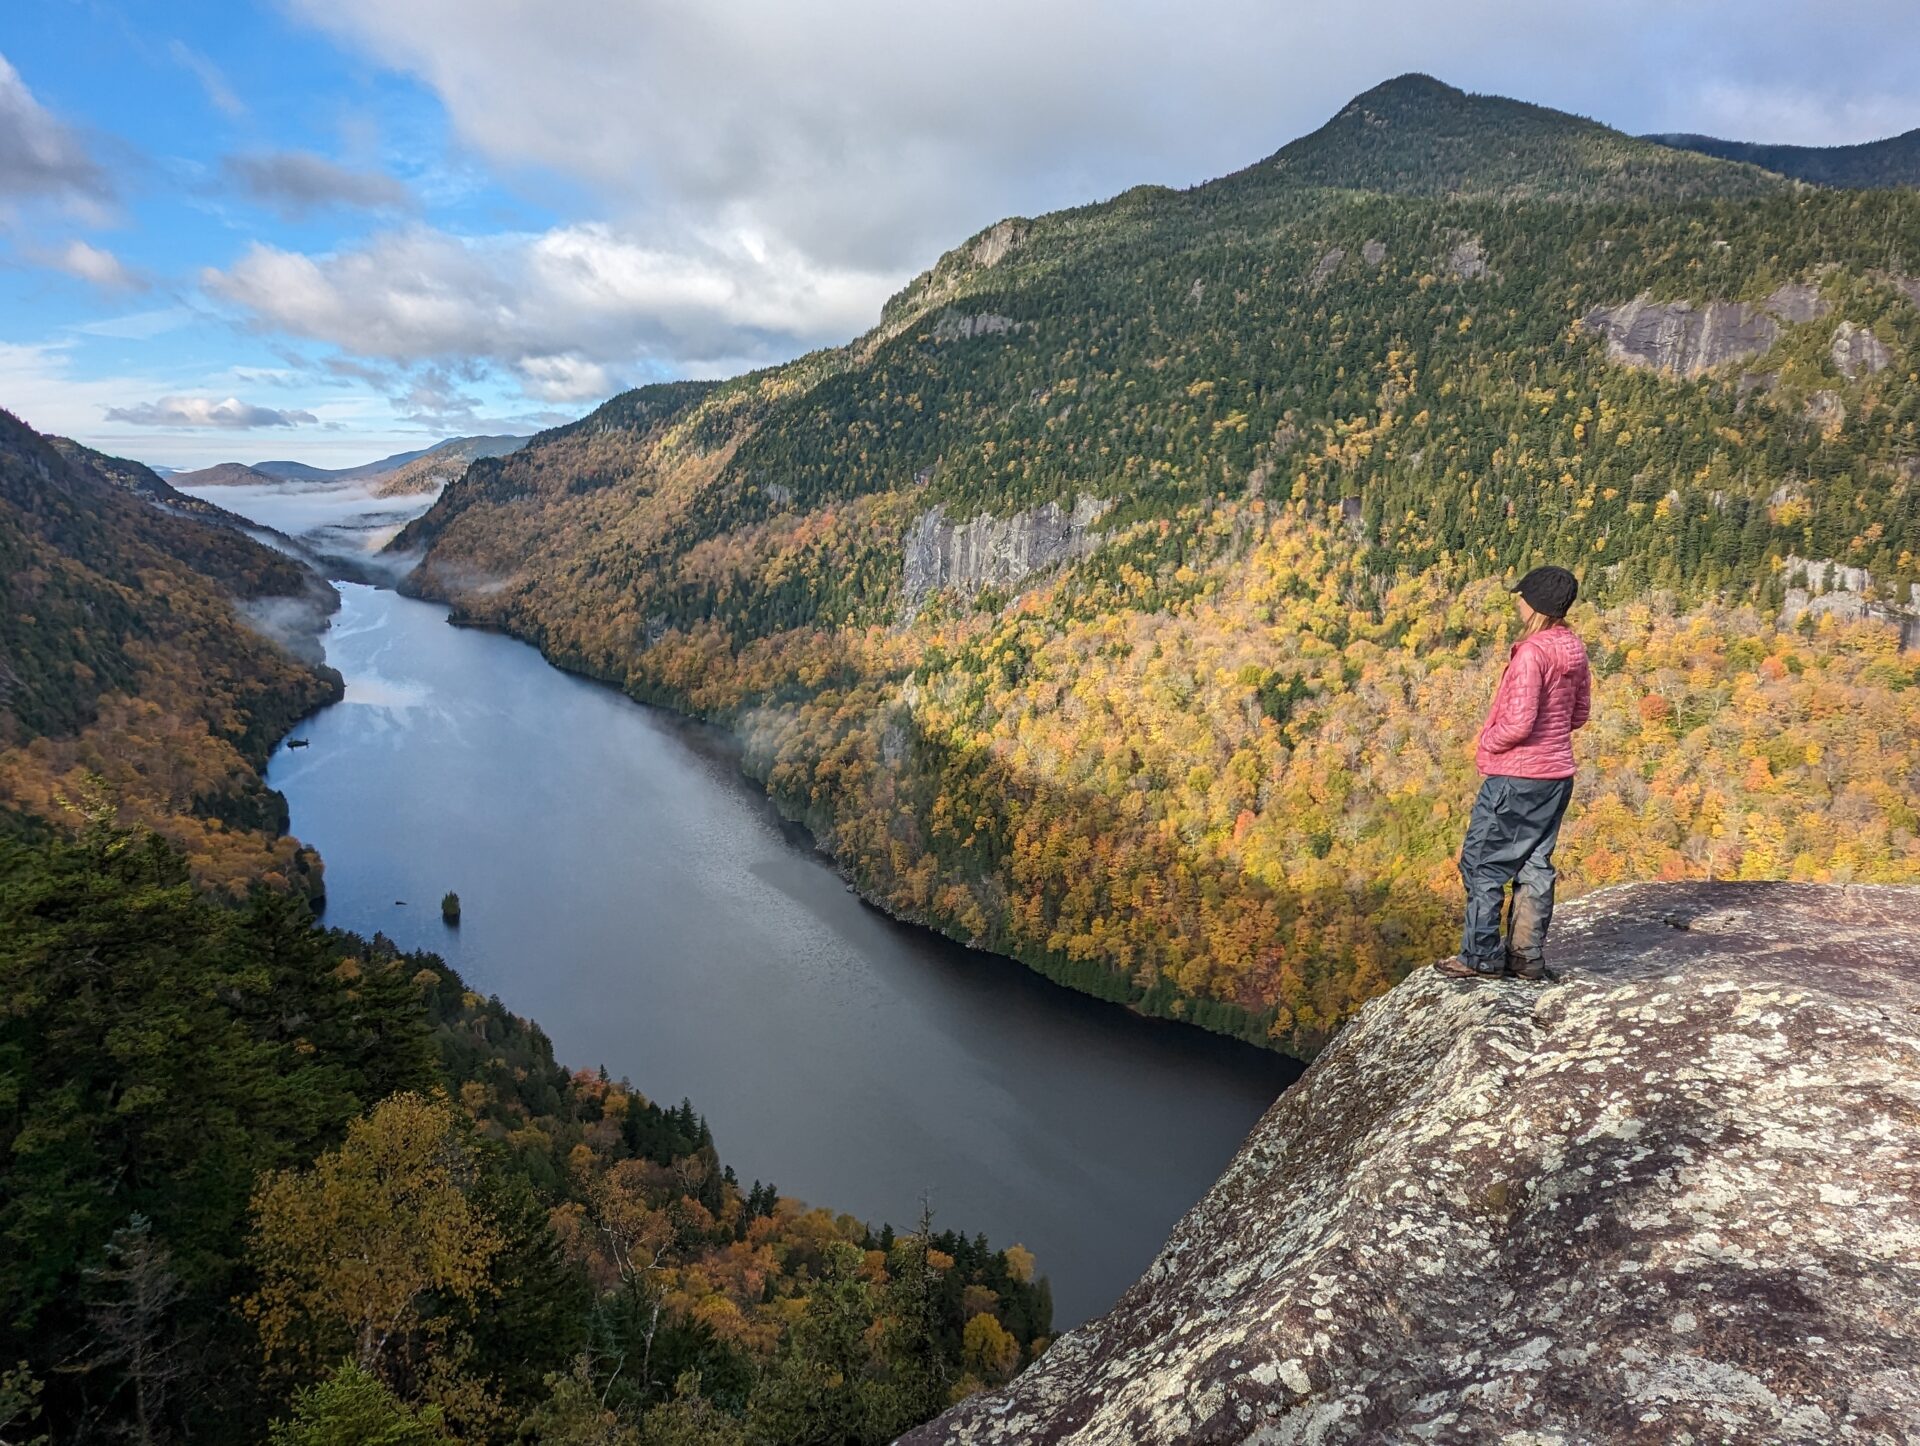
(1894, 161)
(224, 474)
(454, 451)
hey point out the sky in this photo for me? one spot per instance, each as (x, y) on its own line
(328, 230)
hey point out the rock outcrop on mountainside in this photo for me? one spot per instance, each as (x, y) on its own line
(1686, 340)
(1674, 1197)
(988, 551)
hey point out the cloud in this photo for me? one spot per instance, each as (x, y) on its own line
(231, 414)
(218, 92)
(298, 183)
(872, 134)
(40, 157)
(1776, 113)
(432, 398)
(564, 378)
(563, 309)
(139, 325)
(92, 264)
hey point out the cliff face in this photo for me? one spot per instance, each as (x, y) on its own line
(988, 551)
(1673, 1197)
(1688, 340)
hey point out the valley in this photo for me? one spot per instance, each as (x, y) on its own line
(976, 766)
(622, 884)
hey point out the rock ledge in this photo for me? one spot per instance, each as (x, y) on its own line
(1673, 1198)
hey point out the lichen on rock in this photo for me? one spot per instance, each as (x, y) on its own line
(1674, 1197)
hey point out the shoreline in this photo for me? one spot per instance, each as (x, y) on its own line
(1123, 993)
(718, 737)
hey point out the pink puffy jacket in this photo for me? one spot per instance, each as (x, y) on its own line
(1544, 695)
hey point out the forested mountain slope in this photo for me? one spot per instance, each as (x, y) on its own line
(252, 1170)
(1894, 161)
(140, 676)
(1128, 598)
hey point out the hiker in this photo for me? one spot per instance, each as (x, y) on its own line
(1526, 756)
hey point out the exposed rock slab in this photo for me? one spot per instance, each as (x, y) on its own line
(1688, 339)
(1820, 587)
(1797, 301)
(1325, 267)
(1467, 261)
(952, 325)
(988, 551)
(1672, 1198)
(998, 241)
(1857, 352)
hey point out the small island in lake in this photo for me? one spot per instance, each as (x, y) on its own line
(450, 907)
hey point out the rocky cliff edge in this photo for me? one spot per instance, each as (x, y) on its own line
(1674, 1197)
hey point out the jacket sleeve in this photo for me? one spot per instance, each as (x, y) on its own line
(1515, 705)
(1582, 696)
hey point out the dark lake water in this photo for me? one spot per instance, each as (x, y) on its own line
(626, 887)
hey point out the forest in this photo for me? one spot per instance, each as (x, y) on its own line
(261, 1180)
(264, 1181)
(1218, 767)
(132, 681)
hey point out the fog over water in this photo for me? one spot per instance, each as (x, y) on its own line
(338, 519)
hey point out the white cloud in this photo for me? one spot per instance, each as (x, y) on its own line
(93, 264)
(555, 306)
(40, 157)
(230, 414)
(564, 378)
(1774, 114)
(871, 133)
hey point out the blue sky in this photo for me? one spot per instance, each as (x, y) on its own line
(332, 229)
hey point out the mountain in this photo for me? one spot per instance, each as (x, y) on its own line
(1419, 136)
(1894, 161)
(1640, 1205)
(149, 661)
(437, 466)
(224, 474)
(1128, 598)
(150, 485)
(443, 459)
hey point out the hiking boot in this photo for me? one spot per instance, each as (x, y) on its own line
(1461, 967)
(1519, 966)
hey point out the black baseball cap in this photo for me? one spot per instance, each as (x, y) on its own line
(1550, 590)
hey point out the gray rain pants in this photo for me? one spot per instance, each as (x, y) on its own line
(1510, 839)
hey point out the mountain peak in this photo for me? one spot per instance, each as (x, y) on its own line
(1414, 85)
(1418, 135)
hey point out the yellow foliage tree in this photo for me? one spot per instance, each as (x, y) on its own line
(350, 1251)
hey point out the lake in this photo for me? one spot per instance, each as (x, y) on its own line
(624, 885)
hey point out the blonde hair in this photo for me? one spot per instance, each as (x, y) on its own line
(1540, 622)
